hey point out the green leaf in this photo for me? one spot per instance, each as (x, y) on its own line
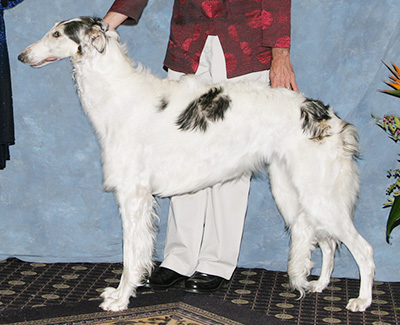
(396, 121)
(394, 218)
(391, 128)
(392, 92)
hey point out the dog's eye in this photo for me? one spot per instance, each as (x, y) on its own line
(56, 34)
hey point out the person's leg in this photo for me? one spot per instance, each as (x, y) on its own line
(183, 240)
(228, 203)
(187, 212)
(223, 228)
(222, 208)
(186, 216)
(226, 210)
(185, 232)
(222, 236)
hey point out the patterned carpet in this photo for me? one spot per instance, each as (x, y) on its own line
(29, 287)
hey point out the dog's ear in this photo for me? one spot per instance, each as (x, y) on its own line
(98, 39)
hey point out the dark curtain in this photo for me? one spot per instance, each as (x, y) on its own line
(7, 137)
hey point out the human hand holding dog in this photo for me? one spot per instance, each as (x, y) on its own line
(114, 19)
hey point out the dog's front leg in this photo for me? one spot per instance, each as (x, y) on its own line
(137, 215)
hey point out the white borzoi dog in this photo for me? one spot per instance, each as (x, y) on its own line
(165, 138)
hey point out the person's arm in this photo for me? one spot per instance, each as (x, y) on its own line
(277, 37)
(114, 19)
(125, 12)
(282, 73)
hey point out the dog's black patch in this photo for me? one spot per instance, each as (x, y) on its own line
(73, 27)
(71, 30)
(210, 106)
(163, 104)
(314, 115)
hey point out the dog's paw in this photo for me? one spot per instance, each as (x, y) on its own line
(358, 304)
(116, 299)
(316, 286)
(110, 293)
(114, 305)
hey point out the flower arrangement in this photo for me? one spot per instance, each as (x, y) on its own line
(391, 125)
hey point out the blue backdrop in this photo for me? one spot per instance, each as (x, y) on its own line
(52, 206)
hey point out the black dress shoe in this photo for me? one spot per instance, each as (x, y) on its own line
(163, 278)
(203, 283)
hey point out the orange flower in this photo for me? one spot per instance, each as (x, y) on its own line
(395, 80)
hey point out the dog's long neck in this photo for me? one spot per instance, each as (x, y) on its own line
(102, 70)
(101, 77)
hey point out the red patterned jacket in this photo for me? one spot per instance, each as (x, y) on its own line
(247, 29)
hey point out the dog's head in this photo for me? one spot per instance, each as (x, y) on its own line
(67, 39)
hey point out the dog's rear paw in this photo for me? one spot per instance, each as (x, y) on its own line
(358, 304)
(114, 305)
(316, 286)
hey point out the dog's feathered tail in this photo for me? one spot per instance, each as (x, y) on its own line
(351, 146)
(348, 181)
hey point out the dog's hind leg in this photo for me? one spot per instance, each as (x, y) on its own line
(328, 247)
(136, 208)
(301, 245)
(363, 253)
(283, 191)
(331, 213)
(302, 238)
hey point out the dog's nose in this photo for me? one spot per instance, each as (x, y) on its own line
(22, 57)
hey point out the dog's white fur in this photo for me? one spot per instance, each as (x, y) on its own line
(146, 151)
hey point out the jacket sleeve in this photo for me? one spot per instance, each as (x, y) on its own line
(276, 15)
(131, 8)
(7, 4)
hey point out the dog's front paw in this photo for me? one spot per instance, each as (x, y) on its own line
(110, 293)
(112, 300)
(116, 299)
(115, 305)
(358, 304)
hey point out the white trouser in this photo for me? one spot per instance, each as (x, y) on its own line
(205, 229)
